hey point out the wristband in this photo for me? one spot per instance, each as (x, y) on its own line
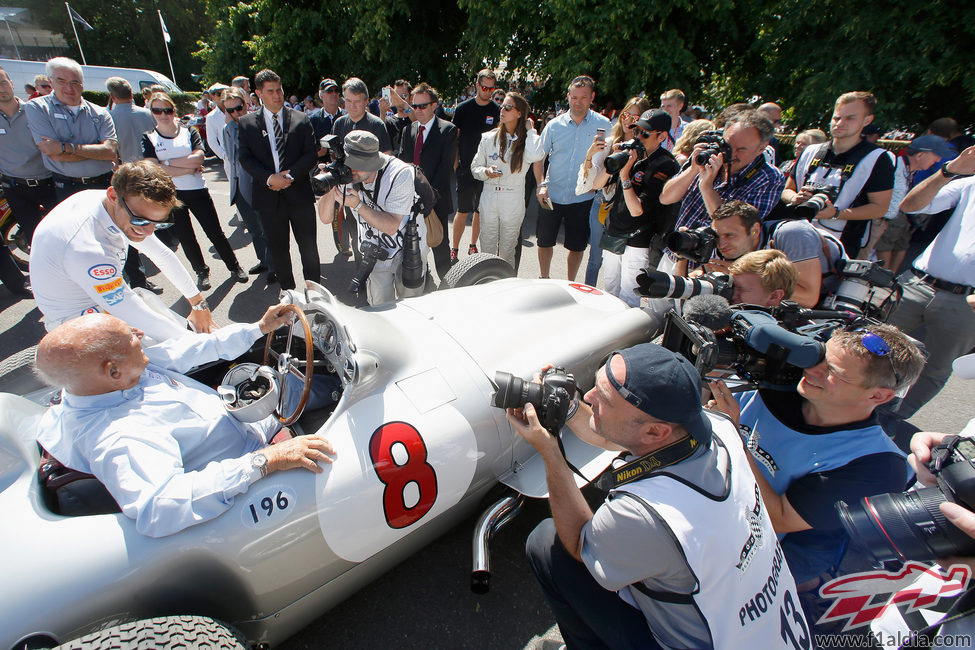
(950, 175)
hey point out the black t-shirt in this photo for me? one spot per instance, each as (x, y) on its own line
(881, 178)
(472, 120)
(648, 177)
(395, 126)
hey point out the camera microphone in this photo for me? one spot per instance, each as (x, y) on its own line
(710, 311)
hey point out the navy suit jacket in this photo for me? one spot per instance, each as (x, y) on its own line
(436, 158)
(300, 155)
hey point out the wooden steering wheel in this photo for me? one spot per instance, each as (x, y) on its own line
(286, 364)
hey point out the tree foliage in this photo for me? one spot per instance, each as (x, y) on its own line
(127, 33)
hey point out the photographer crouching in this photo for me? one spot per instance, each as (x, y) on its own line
(380, 192)
(823, 443)
(638, 168)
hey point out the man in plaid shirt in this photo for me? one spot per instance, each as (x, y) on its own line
(752, 179)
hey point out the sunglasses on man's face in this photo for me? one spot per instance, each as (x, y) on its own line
(420, 107)
(488, 89)
(169, 110)
(142, 221)
(234, 109)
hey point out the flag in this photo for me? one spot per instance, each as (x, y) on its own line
(165, 31)
(81, 21)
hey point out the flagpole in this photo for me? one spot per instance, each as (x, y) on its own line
(166, 43)
(75, 28)
(16, 49)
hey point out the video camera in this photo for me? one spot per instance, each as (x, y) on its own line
(909, 525)
(748, 340)
(334, 173)
(865, 288)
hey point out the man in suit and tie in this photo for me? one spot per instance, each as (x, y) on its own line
(278, 150)
(431, 143)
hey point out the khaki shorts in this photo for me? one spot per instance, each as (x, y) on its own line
(897, 237)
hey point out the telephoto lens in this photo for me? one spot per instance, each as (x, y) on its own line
(412, 258)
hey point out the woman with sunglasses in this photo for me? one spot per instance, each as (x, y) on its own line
(635, 213)
(591, 166)
(179, 150)
(503, 158)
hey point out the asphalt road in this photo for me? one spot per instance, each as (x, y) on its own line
(425, 601)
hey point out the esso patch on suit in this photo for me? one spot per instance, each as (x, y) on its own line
(102, 271)
(395, 469)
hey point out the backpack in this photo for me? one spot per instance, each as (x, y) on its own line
(426, 201)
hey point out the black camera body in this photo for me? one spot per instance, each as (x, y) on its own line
(817, 201)
(616, 161)
(716, 144)
(371, 253)
(865, 288)
(909, 525)
(554, 397)
(697, 245)
(334, 173)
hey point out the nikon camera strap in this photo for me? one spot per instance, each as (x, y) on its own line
(643, 466)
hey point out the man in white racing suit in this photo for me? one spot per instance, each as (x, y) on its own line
(79, 249)
(682, 553)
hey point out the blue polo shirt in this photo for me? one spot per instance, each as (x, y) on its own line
(566, 143)
(47, 117)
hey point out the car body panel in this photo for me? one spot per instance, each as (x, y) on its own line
(415, 408)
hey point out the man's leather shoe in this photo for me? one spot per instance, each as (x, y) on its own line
(239, 275)
(203, 279)
(257, 270)
(25, 291)
(272, 277)
(149, 286)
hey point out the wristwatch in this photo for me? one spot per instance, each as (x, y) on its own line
(166, 162)
(626, 184)
(259, 461)
(949, 175)
(201, 306)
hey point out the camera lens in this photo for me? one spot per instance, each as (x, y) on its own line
(615, 162)
(906, 526)
(509, 393)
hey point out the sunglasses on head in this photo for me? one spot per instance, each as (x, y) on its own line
(169, 110)
(420, 107)
(142, 221)
(234, 109)
(876, 345)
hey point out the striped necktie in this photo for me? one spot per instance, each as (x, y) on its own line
(278, 138)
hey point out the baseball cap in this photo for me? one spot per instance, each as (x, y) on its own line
(930, 142)
(656, 119)
(325, 84)
(664, 385)
(362, 151)
(871, 129)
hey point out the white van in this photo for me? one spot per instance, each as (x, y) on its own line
(23, 72)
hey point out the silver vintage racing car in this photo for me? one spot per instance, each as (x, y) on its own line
(419, 446)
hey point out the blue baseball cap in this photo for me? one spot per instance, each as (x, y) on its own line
(930, 142)
(665, 386)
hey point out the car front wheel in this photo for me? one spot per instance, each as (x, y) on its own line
(163, 633)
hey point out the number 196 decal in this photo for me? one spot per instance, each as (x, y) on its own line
(267, 505)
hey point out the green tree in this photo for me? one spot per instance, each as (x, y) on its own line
(305, 40)
(127, 33)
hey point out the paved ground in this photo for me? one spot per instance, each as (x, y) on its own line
(426, 601)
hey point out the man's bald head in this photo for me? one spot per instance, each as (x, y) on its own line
(773, 110)
(75, 354)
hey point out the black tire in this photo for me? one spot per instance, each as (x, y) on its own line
(162, 633)
(17, 373)
(478, 268)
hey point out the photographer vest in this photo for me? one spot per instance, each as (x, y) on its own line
(815, 167)
(745, 591)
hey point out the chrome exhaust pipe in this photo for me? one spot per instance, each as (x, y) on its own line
(490, 522)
